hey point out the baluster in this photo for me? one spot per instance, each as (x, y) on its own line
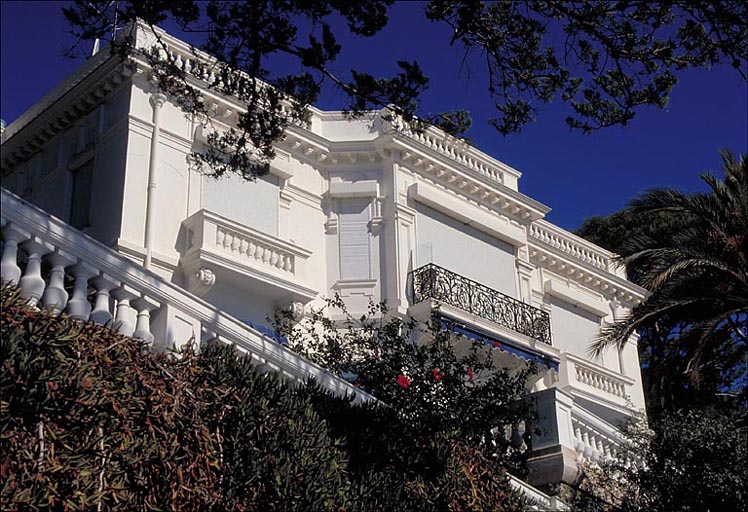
(32, 284)
(586, 444)
(594, 453)
(607, 451)
(144, 306)
(600, 448)
(78, 306)
(124, 319)
(579, 444)
(9, 269)
(101, 313)
(55, 297)
(288, 264)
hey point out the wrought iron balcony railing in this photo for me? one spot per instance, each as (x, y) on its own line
(437, 283)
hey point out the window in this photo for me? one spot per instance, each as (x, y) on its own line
(80, 205)
(354, 239)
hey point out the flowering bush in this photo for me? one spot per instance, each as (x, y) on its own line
(435, 379)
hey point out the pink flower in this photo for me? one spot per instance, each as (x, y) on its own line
(496, 344)
(403, 381)
(437, 375)
(471, 374)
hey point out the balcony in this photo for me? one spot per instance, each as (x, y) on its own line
(223, 251)
(432, 282)
(565, 435)
(609, 393)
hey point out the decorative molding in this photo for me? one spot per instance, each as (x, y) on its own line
(331, 224)
(468, 214)
(587, 276)
(490, 194)
(201, 281)
(557, 289)
(352, 189)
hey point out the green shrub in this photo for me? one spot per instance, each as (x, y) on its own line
(92, 420)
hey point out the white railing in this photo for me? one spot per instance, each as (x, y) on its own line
(563, 423)
(457, 150)
(597, 380)
(210, 232)
(595, 440)
(578, 374)
(133, 301)
(574, 246)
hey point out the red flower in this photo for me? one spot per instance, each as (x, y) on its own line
(471, 374)
(496, 344)
(437, 375)
(403, 381)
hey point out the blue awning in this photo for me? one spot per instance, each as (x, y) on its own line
(481, 336)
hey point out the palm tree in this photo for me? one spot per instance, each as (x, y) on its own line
(694, 261)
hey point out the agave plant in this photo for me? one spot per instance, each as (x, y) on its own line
(697, 273)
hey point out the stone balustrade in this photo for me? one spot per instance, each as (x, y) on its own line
(456, 150)
(534, 499)
(220, 244)
(592, 443)
(580, 376)
(594, 379)
(250, 247)
(62, 270)
(565, 435)
(574, 246)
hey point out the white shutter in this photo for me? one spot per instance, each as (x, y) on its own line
(354, 238)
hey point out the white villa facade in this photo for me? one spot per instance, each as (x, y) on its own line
(99, 189)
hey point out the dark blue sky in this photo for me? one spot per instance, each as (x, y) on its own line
(577, 175)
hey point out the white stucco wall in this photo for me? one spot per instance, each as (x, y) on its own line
(574, 330)
(254, 204)
(465, 250)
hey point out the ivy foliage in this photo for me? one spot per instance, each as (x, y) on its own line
(91, 420)
(605, 60)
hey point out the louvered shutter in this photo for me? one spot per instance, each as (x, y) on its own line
(354, 239)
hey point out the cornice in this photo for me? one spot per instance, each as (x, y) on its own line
(590, 277)
(493, 196)
(304, 196)
(62, 107)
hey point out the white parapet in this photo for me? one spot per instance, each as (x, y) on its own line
(247, 257)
